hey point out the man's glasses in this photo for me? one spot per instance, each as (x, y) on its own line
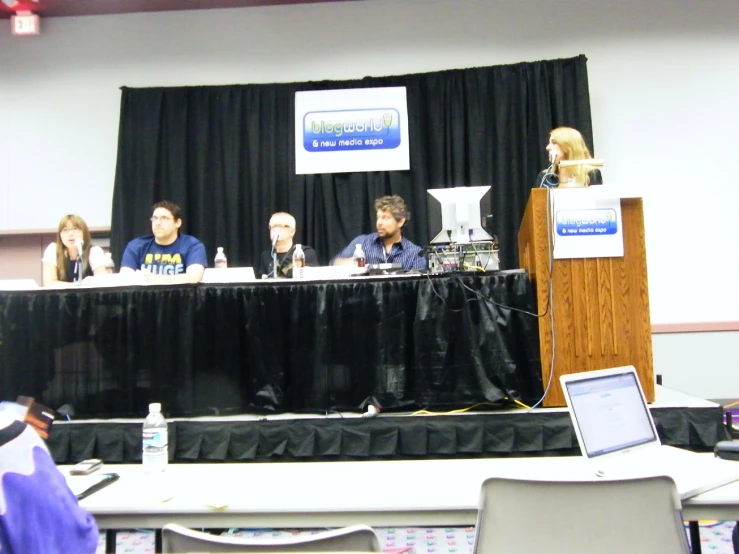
(280, 226)
(162, 218)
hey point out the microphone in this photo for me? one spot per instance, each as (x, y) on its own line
(78, 267)
(552, 157)
(78, 244)
(275, 238)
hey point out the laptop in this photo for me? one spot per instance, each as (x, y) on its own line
(228, 275)
(616, 432)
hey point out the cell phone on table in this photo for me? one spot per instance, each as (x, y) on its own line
(85, 467)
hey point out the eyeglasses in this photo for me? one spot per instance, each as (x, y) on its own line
(280, 226)
(162, 218)
(68, 229)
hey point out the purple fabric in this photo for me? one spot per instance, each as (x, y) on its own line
(42, 514)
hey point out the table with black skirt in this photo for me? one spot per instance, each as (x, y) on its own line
(408, 342)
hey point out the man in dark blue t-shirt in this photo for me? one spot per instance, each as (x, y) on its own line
(166, 256)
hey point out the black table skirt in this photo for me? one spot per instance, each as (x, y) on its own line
(430, 341)
(494, 434)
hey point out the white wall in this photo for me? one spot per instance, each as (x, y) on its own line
(701, 364)
(664, 83)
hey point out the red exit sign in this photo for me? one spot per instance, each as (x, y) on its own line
(24, 23)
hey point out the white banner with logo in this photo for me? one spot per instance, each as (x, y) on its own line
(339, 131)
(585, 225)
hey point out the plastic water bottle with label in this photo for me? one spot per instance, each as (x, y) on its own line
(358, 257)
(298, 262)
(220, 260)
(154, 440)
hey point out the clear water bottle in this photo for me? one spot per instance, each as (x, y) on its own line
(358, 257)
(298, 256)
(298, 262)
(154, 455)
(109, 263)
(220, 260)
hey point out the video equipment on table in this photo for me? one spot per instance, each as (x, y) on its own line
(462, 244)
(475, 256)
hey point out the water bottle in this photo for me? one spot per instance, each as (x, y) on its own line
(154, 455)
(220, 260)
(109, 263)
(358, 257)
(298, 262)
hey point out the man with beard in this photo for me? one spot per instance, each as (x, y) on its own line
(387, 245)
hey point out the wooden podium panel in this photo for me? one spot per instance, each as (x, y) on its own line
(600, 305)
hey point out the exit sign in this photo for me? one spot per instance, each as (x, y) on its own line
(25, 23)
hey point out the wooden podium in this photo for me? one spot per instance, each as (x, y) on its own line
(601, 305)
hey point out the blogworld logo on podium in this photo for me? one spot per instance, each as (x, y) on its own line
(367, 129)
(593, 222)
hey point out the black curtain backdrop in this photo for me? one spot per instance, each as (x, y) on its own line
(226, 155)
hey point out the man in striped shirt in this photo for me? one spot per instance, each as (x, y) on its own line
(387, 245)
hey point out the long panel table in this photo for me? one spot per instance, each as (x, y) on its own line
(335, 494)
(276, 346)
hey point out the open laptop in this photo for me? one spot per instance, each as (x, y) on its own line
(616, 433)
(228, 275)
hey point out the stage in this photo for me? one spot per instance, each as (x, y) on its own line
(682, 421)
(219, 358)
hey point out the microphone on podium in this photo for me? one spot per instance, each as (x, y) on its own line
(275, 238)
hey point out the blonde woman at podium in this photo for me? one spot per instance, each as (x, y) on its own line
(570, 162)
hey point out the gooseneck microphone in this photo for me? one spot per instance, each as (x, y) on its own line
(78, 265)
(275, 238)
(546, 182)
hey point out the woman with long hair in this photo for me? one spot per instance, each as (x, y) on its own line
(63, 262)
(566, 143)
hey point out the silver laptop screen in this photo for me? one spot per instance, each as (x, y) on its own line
(610, 413)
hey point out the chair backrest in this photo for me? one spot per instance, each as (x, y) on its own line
(606, 516)
(356, 538)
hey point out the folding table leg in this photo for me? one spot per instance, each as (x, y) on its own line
(695, 537)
